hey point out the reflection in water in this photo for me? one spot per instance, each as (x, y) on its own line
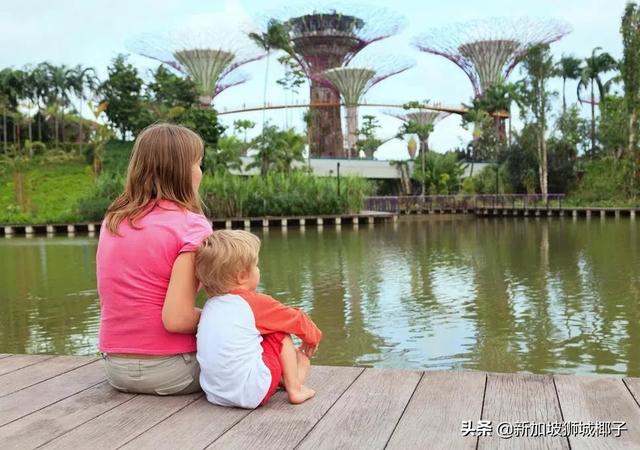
(48, 300)
(509, 295)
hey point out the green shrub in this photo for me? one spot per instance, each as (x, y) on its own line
(606, 182)
(297, 193)
(108, 186)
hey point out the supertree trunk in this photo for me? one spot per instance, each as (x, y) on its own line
(501, 127)
(352, 131)
(325, 127)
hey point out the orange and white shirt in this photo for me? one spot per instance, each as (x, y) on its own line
(232, 372)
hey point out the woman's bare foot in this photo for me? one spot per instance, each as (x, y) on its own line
(301, 395)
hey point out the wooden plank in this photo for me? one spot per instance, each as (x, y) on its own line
(42, 426)
(195, 426)
(280, 425)
(123, 423)
(28, 376)
(367, 413)
(597, 398)
(633, 384)
(15, 362)
(520, 398)
(434, 416)
(38, 396)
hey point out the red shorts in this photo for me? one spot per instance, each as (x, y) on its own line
(271, 349)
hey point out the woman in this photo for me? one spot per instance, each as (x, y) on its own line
(145, 266)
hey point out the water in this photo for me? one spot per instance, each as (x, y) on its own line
(506, 295)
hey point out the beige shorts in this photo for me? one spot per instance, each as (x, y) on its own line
(162, 375)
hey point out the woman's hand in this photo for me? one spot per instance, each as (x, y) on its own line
(179, 313)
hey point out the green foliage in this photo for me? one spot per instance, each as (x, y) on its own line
(485, 181)
(442, 173)
(205, 123)
(275, 37)
(630, 71)
(225, 156)
(280, 194)
(521, 162)
(293, 77)
(171, 90)
(50, 186)
(93, 206)
(277, 150)
(567, 68)
(605, 181)
(122, 92)
(369, 143)
(613, 126)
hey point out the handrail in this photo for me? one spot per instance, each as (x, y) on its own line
(463, 202)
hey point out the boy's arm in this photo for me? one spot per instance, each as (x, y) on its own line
(272, 316)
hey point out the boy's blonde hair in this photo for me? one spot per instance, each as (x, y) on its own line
(159, 169)
(223, 255)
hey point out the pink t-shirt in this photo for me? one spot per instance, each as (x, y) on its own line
(133, 272)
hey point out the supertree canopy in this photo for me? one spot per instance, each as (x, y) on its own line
(210, 58)
(488, 50)
(322, 39)
(353, 82)
(420, 121)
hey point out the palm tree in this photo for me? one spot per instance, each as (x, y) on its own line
(61, 80)
(595, 65)
(276, 37)
(39, 83)
(12, 86)
(82, 78)
(568, 68)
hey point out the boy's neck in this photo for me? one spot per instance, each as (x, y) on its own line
(240, 287)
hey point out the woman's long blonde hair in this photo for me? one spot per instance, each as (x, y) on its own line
(160, 169)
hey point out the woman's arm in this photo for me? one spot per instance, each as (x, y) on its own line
(179, 313)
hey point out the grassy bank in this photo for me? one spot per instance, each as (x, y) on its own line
(41, 191)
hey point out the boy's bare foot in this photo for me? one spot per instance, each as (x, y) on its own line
(301, 395)
(303, 365)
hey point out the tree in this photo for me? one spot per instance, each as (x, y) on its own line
(538, 66)
(497, 101)
(205, 123)
(224, 157)
(568, 68)
(440, 173)
(122, 92)
(277, 150)
(171, 90)
(595, 65)
(370, 143)
(39, 82)
(61, 79)
(276, 37)
(630, 71)
(82, 78)
(12, 85)
(242, 126)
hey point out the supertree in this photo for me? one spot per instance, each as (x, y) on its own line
(322, 39)
(419, 121)
(355, 80)
(488, 50)
(209, 57)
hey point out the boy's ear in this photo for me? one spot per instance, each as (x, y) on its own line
(242, 277)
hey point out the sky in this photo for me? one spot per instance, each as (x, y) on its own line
(92, 33)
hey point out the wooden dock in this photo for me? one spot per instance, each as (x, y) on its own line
(64, 402)
(247, 223)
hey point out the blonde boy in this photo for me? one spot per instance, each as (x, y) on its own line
(244, 347)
